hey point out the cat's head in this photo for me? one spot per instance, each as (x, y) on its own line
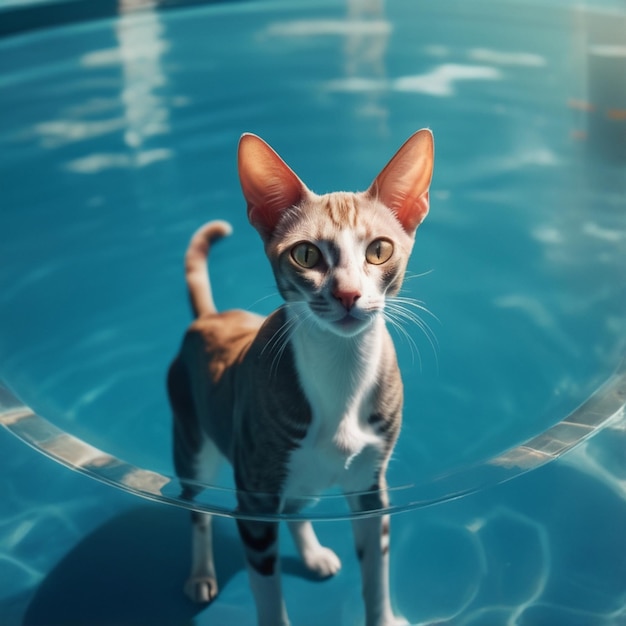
(336, 257)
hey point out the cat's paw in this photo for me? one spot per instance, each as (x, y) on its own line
(201, 589)
(322, 562)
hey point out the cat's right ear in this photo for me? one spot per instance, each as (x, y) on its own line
(268, 184)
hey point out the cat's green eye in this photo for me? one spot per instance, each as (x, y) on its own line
(306, 255)
(379, 251)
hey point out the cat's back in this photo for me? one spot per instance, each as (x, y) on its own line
(218, 340)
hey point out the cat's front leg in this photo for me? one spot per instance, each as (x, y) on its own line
(260, 540)
(318, 559)
(371, 537)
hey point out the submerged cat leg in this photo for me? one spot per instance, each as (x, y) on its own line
(318, 559)
(260, 541)
(201, 586)
(371, 537)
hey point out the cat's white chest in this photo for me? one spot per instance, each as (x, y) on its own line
(339, 388)
(323, 461)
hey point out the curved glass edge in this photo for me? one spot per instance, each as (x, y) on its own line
(605, 408)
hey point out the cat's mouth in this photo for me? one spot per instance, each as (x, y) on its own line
(344, 323)
(350, 324)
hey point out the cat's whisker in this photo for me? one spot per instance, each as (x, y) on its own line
(417, 304)
(282, 337)
(426, 331)
(399, 309)
(276, 343)
(269, 296)
(412, 276)
(399, 321)
(402, 331)
(298, 319)
(275, 339)
(415, 318)
(405, 304)
(309, 319)
(278, 356)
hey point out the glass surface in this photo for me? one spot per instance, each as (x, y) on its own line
(118, 145)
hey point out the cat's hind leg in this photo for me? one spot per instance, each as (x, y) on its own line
(196, 459)
(201, 586)
(318, 559)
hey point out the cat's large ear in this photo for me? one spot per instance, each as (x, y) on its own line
(268, 183)
(403, 184)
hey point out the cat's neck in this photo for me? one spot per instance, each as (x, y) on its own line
(337, 372)
(319, 344)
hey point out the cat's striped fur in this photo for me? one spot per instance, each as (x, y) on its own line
(311, 396)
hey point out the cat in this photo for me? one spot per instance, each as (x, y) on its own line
(310, 396)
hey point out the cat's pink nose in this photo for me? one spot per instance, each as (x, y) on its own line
(347, 297)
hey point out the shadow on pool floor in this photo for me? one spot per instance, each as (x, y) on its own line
(130, 571)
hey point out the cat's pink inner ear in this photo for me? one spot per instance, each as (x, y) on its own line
(404, 182)
(268, 183)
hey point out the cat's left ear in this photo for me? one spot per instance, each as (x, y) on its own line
(269, 185)
(404, 182)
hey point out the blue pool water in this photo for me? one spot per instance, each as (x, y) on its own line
(118, 139)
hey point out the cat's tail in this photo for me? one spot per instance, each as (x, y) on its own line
(196, 270)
